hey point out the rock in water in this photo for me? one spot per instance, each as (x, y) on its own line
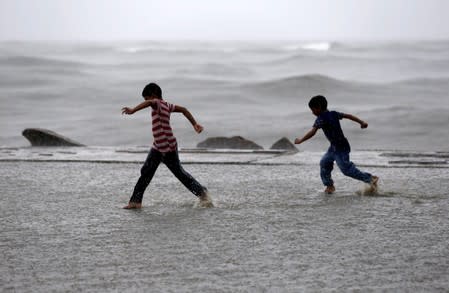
(44, 137)
(235, 142)
(284, 144)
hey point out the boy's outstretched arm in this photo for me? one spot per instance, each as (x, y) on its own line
(143, 105)
(198, 128)
(362, 123)
(306, 136)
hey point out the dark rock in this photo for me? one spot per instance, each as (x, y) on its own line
(235, 142)
(44, 137)
(284, 144)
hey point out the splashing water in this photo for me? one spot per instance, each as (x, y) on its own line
(369, 190)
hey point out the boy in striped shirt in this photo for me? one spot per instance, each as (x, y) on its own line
(165, 147)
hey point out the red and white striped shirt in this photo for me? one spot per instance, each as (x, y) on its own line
(164, 140)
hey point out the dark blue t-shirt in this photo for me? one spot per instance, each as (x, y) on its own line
(329, 121)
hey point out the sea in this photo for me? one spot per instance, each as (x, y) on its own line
(256, 90)
(272, 228)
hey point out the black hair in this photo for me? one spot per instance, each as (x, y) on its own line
(152, 89)
(318, 102)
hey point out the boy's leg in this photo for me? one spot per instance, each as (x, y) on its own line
(349, 169)
(171, 159)
(146, 174)
(326, 167)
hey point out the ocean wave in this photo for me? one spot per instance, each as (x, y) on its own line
(176, 48)
(313, 46)
(433, 62)
(13, 82)
(217, 70)
(311, 84)
(314, 81)
(195, 82)
(391, 46)
(224, 47)
(440, 82)
(27, 61)
(308, 81)
(151, 49)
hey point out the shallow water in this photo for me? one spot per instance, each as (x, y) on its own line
(272, 229)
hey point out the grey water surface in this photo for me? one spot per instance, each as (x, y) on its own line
(258, 90)
(272, 230)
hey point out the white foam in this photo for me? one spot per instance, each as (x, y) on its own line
(315, 46)
(322, 46)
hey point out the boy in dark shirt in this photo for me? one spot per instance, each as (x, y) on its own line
(339, 149)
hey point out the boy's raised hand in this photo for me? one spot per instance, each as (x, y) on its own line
(363, 124)
(128, 111)
(198, 128)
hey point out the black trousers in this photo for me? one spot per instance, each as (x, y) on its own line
(171, 160)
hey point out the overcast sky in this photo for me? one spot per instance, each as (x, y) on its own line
(223, 19)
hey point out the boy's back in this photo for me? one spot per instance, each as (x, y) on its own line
(329, 122)
(164, 140)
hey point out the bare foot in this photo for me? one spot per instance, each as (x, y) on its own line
(329, 189)
(205, 201)
(133, 205)
(374, 180)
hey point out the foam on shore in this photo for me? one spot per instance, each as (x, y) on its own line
(400, 159)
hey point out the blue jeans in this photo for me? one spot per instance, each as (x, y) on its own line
(171, 160)
(346, 166)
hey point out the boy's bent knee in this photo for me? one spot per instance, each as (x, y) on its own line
(326, 164)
